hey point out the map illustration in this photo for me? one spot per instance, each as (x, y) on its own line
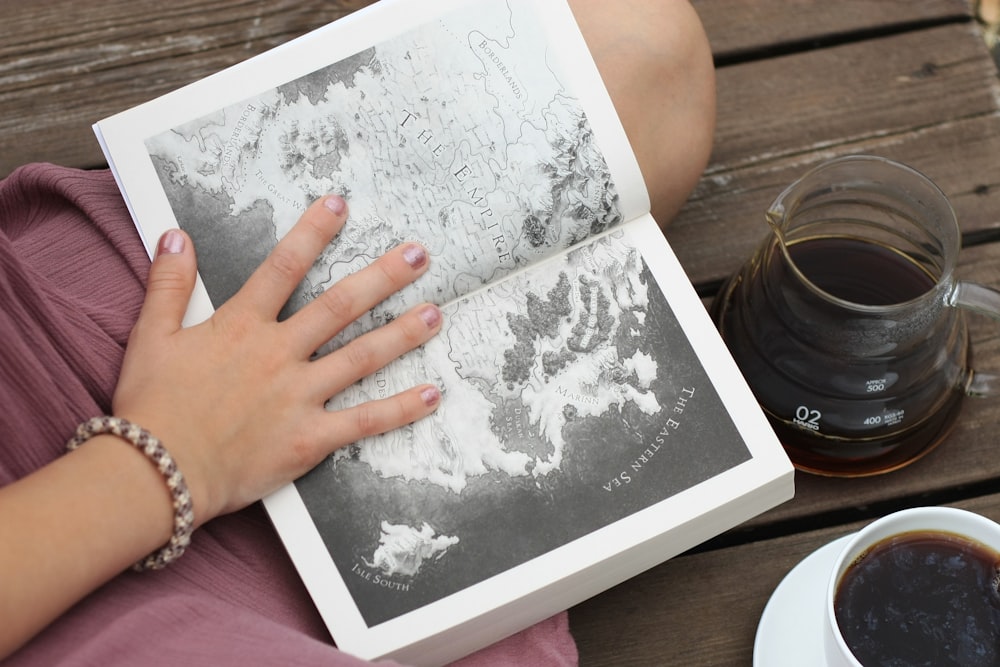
(572, 397)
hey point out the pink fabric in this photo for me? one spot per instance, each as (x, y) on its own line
(72, 273)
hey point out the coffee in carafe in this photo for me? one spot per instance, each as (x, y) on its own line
(844, 321)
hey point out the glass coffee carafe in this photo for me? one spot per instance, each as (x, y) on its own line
(847, 323)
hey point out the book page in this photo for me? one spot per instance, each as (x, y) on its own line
(474, 131)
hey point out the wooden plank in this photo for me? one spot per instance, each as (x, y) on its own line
(741, 29)
(65, 65)
(701, 609)
(819, 100)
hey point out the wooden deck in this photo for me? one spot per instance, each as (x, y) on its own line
(799, 81)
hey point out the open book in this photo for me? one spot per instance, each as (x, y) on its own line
(592, 424)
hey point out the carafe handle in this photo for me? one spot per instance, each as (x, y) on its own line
(986, 301)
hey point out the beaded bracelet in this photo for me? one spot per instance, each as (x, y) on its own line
(154, 450)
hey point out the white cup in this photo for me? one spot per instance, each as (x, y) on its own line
(933, 519)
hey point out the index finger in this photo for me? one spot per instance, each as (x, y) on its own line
(270, 286)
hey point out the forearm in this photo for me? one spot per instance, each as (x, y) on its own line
(73, 525)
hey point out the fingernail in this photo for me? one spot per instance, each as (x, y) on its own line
(171, 243)
(335, 204)
(430, 396)
(431, 316)
(415, 255)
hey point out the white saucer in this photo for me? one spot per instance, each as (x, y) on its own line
(790, 632)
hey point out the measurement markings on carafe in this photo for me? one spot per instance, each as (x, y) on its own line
(876, 386)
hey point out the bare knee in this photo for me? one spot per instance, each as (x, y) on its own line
(656, 63)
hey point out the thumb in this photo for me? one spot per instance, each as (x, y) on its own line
(171, 281)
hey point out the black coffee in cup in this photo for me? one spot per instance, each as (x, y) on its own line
(922, 598)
